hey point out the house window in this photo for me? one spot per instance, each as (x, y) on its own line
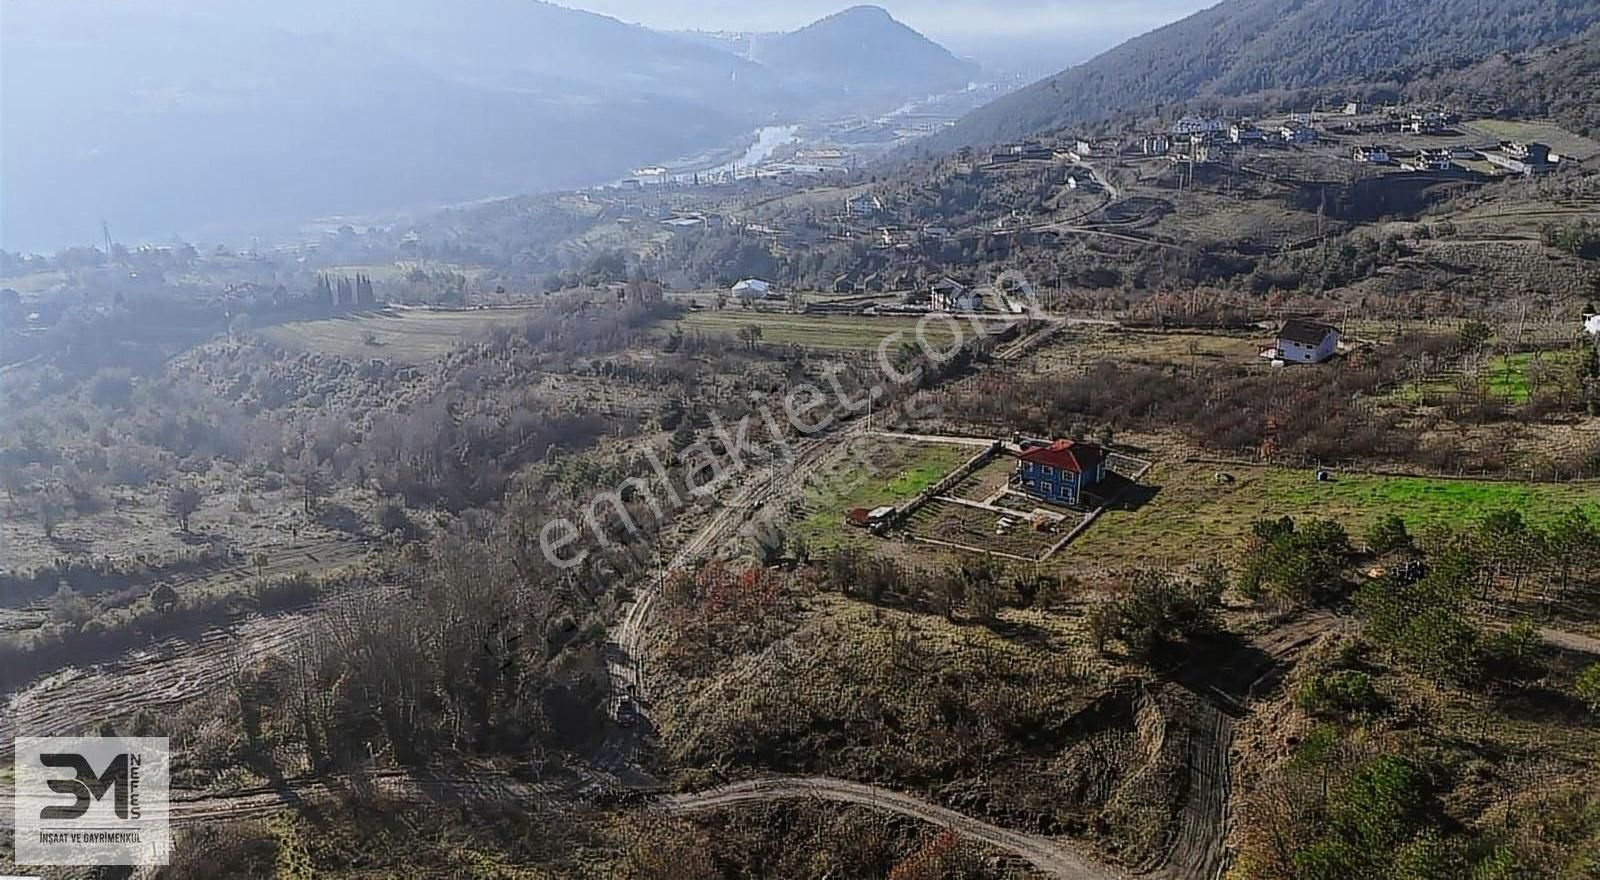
(1047, 470)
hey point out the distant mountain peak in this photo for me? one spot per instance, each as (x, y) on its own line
(864, 16)
(864, 10)
(864, 49)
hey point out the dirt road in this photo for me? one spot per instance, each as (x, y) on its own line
(1046, 854)
(1570, 641)
(1222, 689)
(625, 645)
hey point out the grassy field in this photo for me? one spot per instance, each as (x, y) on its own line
(1191, 517)
(1563, 142)
(900, 470)
(817, 331)
(1077, 348)
(412, 336)
(1504, 376)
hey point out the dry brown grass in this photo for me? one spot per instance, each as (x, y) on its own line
(1013, 723)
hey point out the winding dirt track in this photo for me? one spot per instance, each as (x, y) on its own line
(1045, 854)
(484, 788)
(625, 645)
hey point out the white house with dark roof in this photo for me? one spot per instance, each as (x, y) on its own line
(863, 205)
(1305, 342)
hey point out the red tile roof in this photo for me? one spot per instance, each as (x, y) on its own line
(1064, 454)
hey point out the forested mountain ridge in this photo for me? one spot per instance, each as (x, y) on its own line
(1561, 82)
(1240, 47)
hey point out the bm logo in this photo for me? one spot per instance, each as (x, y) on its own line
(121, 777)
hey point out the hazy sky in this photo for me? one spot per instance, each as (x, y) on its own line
(946, 20)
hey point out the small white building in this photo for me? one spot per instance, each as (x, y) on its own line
(1371, 155)
(1430, 161)
(752, 289)
(1425, 123)
(864, 205)
(1296, 133)
(1091, 149)
(1305, 342)
(950, 295)
(1243, 133)
(1192, 124)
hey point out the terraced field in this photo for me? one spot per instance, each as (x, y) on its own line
(817, 331)
(410, 336)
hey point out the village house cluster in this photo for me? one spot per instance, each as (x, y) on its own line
(1388, 139)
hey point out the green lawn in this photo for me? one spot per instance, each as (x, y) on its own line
(1420, 500)
(1191, 517)
(900, 470)
(817, 331)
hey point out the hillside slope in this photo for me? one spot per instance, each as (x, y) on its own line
(1244, 46)
(1559, 82)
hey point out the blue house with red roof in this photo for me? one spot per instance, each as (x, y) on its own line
(1060, 472)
